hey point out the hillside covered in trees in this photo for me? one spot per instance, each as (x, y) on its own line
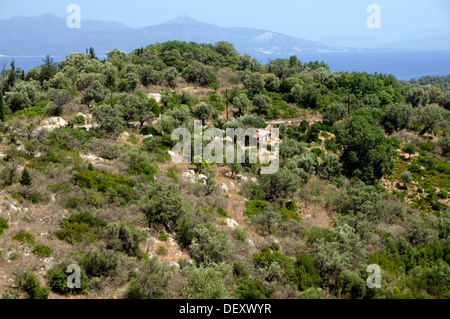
(86, 178)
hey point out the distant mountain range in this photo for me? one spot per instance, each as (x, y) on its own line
(427, 39)
(48, 34)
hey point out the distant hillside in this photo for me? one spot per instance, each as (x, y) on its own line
(48, 34)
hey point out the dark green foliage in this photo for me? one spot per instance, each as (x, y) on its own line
(2, 108)
(279, 185)
(255, 207)
(249, 288)
(335, 112)
(331, 146)
(144, 168)
(330, 166)
(3, 225)
(207, 282)
(304, 272)
(409, 149)
(24, 237)
(163, 204)
(48, 68)
(240, 234)
(57, 281)
(352, 285)
(163, 235)
(42, 251)
(397, 117)
(366, 153)
(188, 222)
(76, 233)
(80, 228)
(26, 281)
(117, 186)
(209, 244)
(265, 261)
(151, 281)
(125, 238)
(162, 251)
(25, 179)
(85, 218)
(99, 263)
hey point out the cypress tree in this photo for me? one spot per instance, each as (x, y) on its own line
(2, 108)
(25, 180)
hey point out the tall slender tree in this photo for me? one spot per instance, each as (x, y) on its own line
(2, 108)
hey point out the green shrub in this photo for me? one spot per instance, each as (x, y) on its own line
(79, 120)
(76, 233)
(42, 251)
(81, 227)
(162, 251)
(249, 288)
(255, 207)
(3, 225)
(351, 285)
(331, 146)
(144, 168)
(99, 263)
(57, 281)
(222, 213)
(27, 282)
(289, 214)
(209, 244)
(85, 218)
(291, 205)
(13, 256)
(133, 139)
(275, 246)
(73, 202)
(319, 152)
(125, 238)
(25, 180)
(173, 173)
(305, 273)
(117, 186)
(240, 234)
(163, 235)
(207, 282)
(442, 194)
(151, 282)
(24, 237)
(94, 198)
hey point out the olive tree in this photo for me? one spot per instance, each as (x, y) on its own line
(171, 77)
(262, 101)
(203, 111)
(241, 102)
(335, 112)
(367, 155)
(163, 204)
(432, 117)
(330, 166)
(444, 143)
(397, 116)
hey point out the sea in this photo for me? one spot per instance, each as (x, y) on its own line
(404, 65)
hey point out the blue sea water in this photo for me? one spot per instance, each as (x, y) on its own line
(404, 65)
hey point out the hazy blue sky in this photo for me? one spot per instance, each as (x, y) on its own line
(310, 19)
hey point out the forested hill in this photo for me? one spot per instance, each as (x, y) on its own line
(87, 178)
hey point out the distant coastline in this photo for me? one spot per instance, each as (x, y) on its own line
(404, 65)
